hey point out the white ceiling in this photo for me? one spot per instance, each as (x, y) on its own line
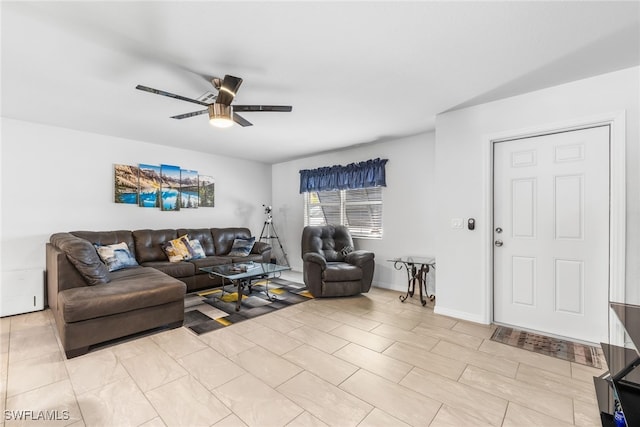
(355, 72)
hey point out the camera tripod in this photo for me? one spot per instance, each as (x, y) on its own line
(269, 233)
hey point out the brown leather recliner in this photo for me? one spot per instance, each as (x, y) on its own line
(332, 267)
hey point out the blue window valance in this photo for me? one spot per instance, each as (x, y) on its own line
(370, 173)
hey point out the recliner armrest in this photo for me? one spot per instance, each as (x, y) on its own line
(315, 258)
(359, 257)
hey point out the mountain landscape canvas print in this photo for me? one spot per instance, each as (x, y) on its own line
(125, 184)
(170, 188)
(149, 184)
(206, 191)
(167, 187)
(189, 189)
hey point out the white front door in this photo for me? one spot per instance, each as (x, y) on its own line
(551, 233)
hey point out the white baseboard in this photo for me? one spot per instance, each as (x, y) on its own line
(390, 286)
(462, 315)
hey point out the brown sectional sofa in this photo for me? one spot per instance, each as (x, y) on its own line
(92, 305)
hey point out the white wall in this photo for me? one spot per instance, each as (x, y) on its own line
(408, 211)
(56, 179)
(462, 254)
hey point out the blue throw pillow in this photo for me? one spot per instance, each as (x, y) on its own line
(116, 257)
(242, 247)
(198, 252)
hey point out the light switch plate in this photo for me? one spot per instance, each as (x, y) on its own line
(456, 222)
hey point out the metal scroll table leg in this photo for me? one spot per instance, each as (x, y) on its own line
(422, 280)
(398, 265)
(412, 280)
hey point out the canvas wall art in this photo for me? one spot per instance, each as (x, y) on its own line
(149, 186)
(206, 191)
(188, 189)
(170, 188)
(167, 187)
(125, 184)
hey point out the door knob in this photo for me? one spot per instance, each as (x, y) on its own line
(498, 243)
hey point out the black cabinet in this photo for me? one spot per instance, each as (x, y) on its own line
(622, 382)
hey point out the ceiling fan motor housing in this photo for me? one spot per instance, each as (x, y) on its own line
(220, 115)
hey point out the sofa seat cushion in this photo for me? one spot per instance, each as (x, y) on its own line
(173, 269)
(342, 272)
(210, 261)
(130, 289)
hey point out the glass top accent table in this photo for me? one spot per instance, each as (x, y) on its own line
(417, 268)
(241, 275)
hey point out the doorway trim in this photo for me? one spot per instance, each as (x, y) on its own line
(617, 201)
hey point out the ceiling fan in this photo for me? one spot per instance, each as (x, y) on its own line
(221, 112)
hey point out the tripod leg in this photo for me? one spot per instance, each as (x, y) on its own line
(275, 234)
(262, 232)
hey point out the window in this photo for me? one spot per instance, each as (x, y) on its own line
(358, 209)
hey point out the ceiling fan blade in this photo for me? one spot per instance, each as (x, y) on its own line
(241, 120)
(187, 115)
(170, 95)
(278, 108)
(228, 89)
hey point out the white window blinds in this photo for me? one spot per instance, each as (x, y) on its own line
(360, 210)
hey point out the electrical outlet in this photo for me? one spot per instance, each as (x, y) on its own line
(456, 222)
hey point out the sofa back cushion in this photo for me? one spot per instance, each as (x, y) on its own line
(223, 238)
(203, 235)
(82, 254)
(148, 244)
(333, 242)
(105, 238)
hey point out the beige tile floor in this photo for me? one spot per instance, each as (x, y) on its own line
(361, 361)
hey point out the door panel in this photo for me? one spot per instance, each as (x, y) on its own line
(569, 285)
(524, 208)
(569, 207)
(551, 198)
(524, 280)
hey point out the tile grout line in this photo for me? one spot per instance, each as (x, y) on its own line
(381, 308)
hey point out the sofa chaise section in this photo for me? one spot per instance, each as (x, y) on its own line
(114, 305)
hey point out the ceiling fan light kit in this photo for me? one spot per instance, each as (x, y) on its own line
(221, 112)
(220, 115)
